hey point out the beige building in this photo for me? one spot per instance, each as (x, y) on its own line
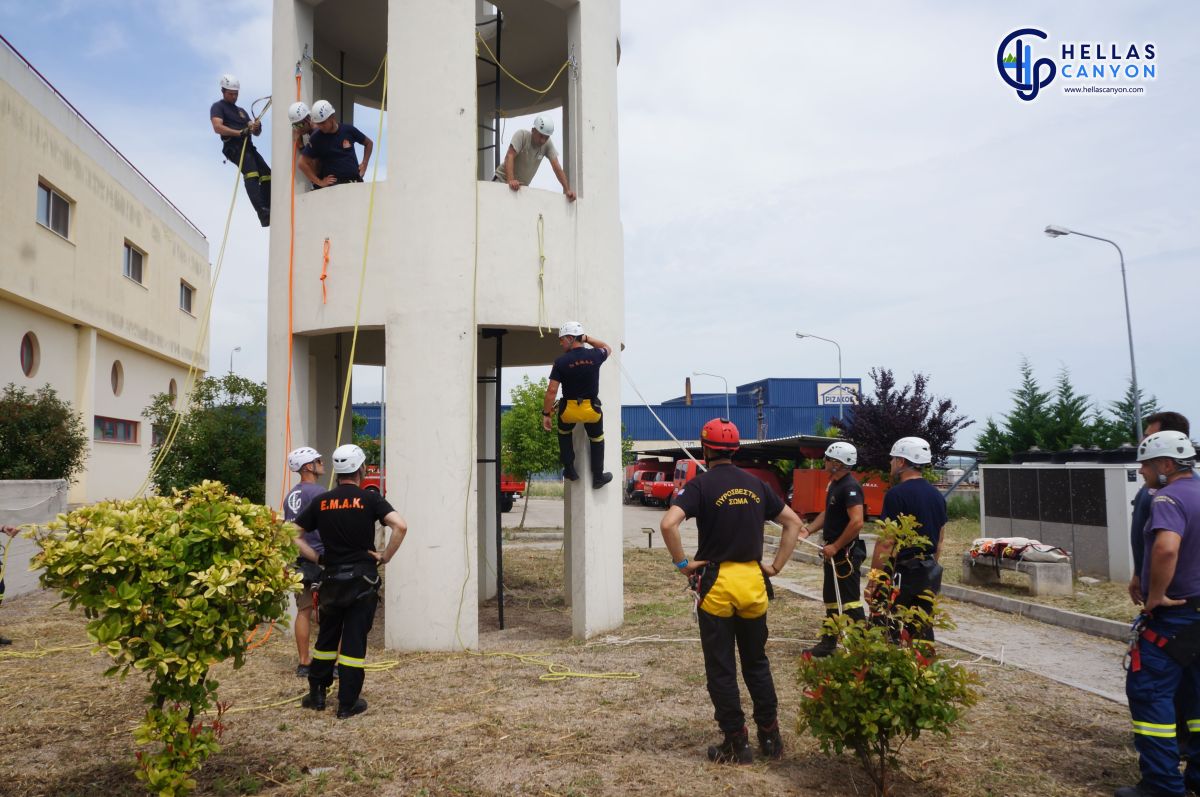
(102, 279)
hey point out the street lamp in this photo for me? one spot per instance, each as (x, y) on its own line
(841, 387)
(723, 379)
(236, 348)
(1054, 231)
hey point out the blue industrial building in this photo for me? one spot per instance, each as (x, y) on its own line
(767, 408)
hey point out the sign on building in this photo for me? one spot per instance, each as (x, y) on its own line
(835, 394)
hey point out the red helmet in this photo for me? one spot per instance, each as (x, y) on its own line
(720, 434)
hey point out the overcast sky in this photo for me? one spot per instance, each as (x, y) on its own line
(857, 171)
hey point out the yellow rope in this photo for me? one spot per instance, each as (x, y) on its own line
(556, 671)
(541, 232)
(321, 66)
(517, 80)
(39, 652)
(189, 382)
(362, 277)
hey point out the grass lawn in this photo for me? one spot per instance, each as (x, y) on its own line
(492, 724)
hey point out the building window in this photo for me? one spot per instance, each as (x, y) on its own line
(53, 210)
(117, 377)
(134, 260)
(186, 295)
(30, 354)
(173, 391)
(114, 430)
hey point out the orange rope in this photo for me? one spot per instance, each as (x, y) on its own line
(324, 272)
(287, 429)
(252, 643)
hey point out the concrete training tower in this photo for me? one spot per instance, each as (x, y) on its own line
(453, 259)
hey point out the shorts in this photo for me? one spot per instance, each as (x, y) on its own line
(304, 601)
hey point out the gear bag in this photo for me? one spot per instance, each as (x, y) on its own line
(918, 576)
(343, 585)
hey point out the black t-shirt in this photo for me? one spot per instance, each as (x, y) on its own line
(578, 371)
(730, 507)
(841, 495)
(230, 115)
(922, 500)
(346, 516)
(334, 151)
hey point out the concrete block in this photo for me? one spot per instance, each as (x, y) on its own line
(1045, 578)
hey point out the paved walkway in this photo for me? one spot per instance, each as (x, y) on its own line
(1085, 662)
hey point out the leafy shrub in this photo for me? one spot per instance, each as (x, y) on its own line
(171, 586)
(875, 695)
(41, 436)
(963, 507)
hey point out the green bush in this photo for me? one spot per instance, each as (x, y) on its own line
(171, 586)
(41, 436)
(963, 507)
(874, 695)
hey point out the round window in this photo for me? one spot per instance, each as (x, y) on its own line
(117, 377)
(30, 354)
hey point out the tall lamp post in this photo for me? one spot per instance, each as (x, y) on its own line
(1054, 231)
(236, 348)
(723, 379)
(841, 387)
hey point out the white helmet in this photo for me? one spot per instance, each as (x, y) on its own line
(1173, 445)
(572, 328)
(322, 110)
(543, 126)
(348, 458)
(914, 449)
(297, 112)
(301, 457)
(230, 83)
(843, 453)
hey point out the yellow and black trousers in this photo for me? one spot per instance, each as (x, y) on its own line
(256, 175)
(844, 569)
(346, 620)
(733, 614)
(589, 413)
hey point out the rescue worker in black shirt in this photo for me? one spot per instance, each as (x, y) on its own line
(730, 507)
(578, 371)
(234, 126)
(844, 552)
(916, 569)
(349, 587)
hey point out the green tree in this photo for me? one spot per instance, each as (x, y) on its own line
(526, 448)
(369, 445)
(1070, 422)
(1119, 426)
(890, 412)
(1028, 423)
(220, 436)
(41, 436)
(627, 455)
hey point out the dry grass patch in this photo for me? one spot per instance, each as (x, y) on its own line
(457, 724)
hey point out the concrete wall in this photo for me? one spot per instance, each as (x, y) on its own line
(71, 293)
(432, 284)
(22, 502)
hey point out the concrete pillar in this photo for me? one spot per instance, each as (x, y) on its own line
(84, 401)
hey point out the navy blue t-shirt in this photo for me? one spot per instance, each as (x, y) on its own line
(578, 371)
(230, 115)
(730, 506)
(924, 502)
(335, 151)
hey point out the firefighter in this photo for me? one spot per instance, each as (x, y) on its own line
(1163, 655)
(306, 462)
(578, 371)
(730, 507)
(234, 126)
(916, 569)
(349, 588)
(844, 552)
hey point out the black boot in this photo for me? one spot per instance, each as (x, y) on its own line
(570, 474)
(345, 712)
(770, 743)
(735, 749)
(601, 479)
(315, 699)
(824, 648)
